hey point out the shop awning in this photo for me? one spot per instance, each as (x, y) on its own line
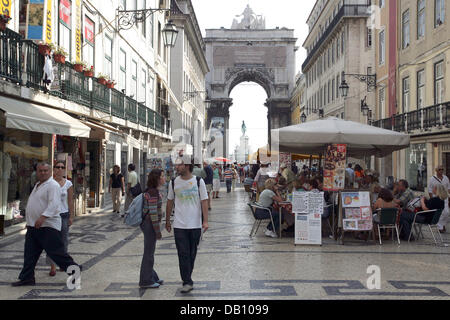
(31, 117)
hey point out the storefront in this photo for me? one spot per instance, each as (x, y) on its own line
(27, 137)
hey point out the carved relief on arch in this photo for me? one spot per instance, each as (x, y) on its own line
(262, 76)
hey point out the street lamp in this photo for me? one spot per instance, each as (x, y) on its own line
(369, 79)
(170, 34)
(364, 107)
(344, 88)
(303, 118)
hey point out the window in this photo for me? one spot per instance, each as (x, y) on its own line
(122, 69)
(338, 48)
(381, 103)
(65, 26)
(329, 91)
(108, 56)
(369, 37)
(439, 12)
(439, 82)
(159, 39)
(133, 89)
(420, 19)
(420, 89)
(337, 86)
(151, 30)
(332, 90)
(382, 48)
(143, 91)
(405, 29)
(329, 57)
(89, 36)
(342, 43)
(405, 94)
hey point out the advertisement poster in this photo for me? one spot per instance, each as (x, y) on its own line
(357, 211)
(308, 209)
(35, 20)
(334, 168)
(218, 126)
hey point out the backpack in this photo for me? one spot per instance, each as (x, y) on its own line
(133, 216)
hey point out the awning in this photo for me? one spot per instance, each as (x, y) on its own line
(100, 130)
(31, 117)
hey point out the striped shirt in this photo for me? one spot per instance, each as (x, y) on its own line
(228, 174)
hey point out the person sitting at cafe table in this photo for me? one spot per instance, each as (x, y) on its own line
(266, 199)
(249, 180)
(299, 184)
(437, 202)
(385, 200)
(403, 194)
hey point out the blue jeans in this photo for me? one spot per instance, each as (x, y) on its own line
(148, 275)
(229, 183)
(64, 234)
(264, 214)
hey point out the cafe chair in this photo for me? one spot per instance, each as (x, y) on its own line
(253, 206)
(251, 192)
(387, 220)
(431, 219)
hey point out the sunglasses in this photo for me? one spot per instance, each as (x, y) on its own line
(59, 167)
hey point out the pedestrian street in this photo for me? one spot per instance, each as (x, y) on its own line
(230, 264)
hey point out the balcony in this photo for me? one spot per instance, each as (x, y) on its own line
(346, 11)
(425, 119)
(21, 63)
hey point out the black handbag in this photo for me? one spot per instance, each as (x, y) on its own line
(136, 190)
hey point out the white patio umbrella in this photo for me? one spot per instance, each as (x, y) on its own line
(361, 139)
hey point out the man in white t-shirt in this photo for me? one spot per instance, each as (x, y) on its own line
(191, 203)
(132, 182)
(440, 178)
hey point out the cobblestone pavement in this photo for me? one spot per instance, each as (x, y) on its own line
(231, 265)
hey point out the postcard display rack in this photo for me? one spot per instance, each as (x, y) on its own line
(355, 213)
(308, 208)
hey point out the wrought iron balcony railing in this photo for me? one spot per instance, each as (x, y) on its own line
(21, 63)
(423, 119)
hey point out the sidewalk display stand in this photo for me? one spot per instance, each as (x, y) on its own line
(308, 208)
(355, 212)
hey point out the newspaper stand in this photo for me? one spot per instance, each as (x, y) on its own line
(350, 220)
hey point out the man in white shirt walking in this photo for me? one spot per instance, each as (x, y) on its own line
(132, 182)
(440, 178)
(43, 226)
(191, 204)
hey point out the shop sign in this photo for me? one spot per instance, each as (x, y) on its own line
(78, 30)
(89, 30)
(65, 12)
(5, 7)
(48, 22)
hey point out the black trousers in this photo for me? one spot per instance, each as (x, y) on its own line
(47, 239)
(187, 241)
(148, 275)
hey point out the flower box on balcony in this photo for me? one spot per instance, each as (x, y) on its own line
(102, 81)
(88, 73)
(59, 58)
(44, 49)
(110, 84)
(78, 67)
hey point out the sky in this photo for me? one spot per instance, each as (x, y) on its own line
(248, 97)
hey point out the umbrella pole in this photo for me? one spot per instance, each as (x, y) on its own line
(310, 164)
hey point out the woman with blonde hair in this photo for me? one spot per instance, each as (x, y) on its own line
(266, 199)
(435, 203)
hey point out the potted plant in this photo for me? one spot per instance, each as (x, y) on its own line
(46, 48)
(79, 66)
(110, 84)
(4, 19)
(89, 72)
(102, 79)
(60, 55)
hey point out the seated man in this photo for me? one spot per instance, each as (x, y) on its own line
(266, 199)
(403, 194)
(249, 180)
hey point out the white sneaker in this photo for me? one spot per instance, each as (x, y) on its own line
(271, 234)
(186, 288)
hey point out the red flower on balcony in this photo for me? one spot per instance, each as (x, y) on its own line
(4, 19)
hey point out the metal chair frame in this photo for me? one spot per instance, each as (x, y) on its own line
(387, 226)
(253, 206)
(436, 216)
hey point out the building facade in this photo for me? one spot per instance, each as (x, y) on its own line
(339, 41)
(298, 99)
(188, 55)
(422, 95)
(75, 116)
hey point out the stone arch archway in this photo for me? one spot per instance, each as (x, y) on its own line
(263, 56)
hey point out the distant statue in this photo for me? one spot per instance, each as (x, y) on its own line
(243, 128)
(249, 20)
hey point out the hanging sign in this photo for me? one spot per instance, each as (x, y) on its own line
(35, 20)
(48, 21)
(78, 30)
(334, 168)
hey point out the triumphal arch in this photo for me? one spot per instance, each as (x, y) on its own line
(249, 52)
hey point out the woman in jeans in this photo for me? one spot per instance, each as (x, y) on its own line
(151, 219)
(66, 208)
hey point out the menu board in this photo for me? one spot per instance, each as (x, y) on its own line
(357, 213)
(334, 167)
(308, 209)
